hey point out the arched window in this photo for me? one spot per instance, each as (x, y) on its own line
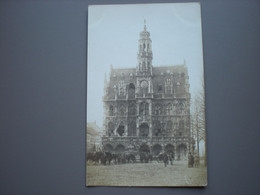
(111, 128)
(148, 46)
(111, 110)
(131, 91)
(143, 46)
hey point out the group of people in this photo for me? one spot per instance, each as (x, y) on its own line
(166, 157)
(106, 158)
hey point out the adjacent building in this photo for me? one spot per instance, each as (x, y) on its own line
(93, 137)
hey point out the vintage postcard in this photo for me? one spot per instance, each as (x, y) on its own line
(145, 96)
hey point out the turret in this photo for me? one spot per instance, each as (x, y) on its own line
(145, 55)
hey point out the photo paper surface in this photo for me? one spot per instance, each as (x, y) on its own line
(145, 96)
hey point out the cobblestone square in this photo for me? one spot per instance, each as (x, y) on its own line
(146, 174)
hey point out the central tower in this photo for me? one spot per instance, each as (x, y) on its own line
(144, 69)
(145, 55)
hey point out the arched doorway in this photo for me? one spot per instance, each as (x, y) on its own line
(144, 130)
(144, 148)
(108, 148)
(156, 149)
(182, 152)
(119, 148)
(169, 148)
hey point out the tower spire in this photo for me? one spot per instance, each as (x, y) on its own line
(145, 55)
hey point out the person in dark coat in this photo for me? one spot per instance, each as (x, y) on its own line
(190, 160)
(165, 159)
(171, 157)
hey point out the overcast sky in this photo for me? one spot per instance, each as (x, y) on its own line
(113, 34)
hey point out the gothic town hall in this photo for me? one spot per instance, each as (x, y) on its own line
(147, 108)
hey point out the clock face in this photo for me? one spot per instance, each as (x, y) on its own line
(144, 84)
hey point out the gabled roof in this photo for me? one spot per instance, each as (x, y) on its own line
(170, 69)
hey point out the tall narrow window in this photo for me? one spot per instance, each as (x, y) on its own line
(111, 110)
(144, 108)
(131, 91)
(160, 88)
(111, 128)
(143, 67)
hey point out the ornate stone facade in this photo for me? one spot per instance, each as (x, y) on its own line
(147, 108)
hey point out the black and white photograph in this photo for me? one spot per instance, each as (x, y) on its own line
(145, 96)
(130, 97)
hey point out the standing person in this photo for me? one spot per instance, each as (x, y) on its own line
(171, 157)
(190, 160)
(165, 159)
